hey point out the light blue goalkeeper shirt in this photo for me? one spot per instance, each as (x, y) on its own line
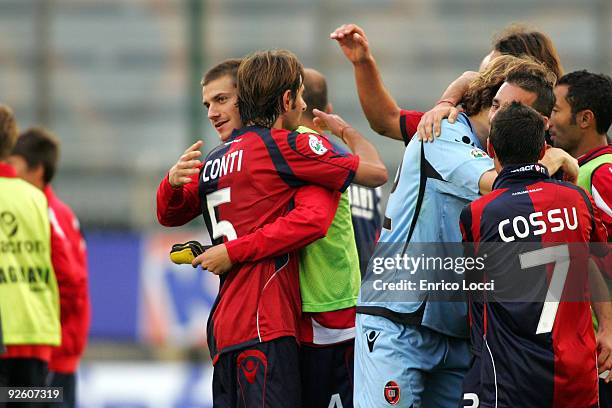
(433, 184)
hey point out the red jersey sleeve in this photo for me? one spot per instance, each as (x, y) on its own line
(409, 120)
(308, 221)
(67, 275)
(601, 186)
(311, 158)
(64, 264)
(178, 206)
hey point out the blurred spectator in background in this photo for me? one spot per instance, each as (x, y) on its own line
(28, 288)
(35, 157)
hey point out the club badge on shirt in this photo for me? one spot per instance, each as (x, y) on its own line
(478, 154)
(316, 145)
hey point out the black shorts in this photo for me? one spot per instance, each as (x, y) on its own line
(471, 384)
(605, 394)
(327, 375)
(68, 383)
(265, 375)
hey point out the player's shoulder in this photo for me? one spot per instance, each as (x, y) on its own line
(461, 126)
(566, 192)
(61, 207)
(602, 175)
(21, 188)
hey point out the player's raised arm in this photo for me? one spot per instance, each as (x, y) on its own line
(380, 108)
(371, 171)
(446, 107)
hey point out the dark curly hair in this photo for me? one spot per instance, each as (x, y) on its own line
(586, 90)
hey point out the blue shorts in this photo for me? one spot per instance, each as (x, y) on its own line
(407, 366)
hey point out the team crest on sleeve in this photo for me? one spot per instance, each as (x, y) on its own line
(478, 154)
(392, 393)
(316, 145)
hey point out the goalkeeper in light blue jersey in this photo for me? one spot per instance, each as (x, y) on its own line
(413, 352)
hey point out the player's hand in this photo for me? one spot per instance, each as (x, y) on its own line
(353, 42)
(186, 166)
(430, 124)
(215, 260)
(556, 159)
(329, 121)
(604, 350)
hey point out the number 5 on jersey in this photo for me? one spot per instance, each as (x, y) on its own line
(220, 228)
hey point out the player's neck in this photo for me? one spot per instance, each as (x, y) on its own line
(588, 142)
(481, 126)
(278, 124)
(309, 123)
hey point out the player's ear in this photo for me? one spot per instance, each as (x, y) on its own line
(287, 100)
(38, 172)
(546, 122)
(585, 118)
(490, 149)
(329, 108)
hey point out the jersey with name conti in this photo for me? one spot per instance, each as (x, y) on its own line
(245, 184)
(531, 352)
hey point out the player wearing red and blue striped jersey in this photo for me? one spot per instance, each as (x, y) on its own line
(247, 188)
(530, 350)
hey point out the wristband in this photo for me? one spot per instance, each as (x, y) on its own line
(342, 132)
(445, 101)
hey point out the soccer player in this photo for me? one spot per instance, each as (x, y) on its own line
(431, 187)
(533, 353)
(514, 40)
(220, 98)
(29, 301)
(329, 285)
(35, 158)
(364, 201)
(579, 123)
(254, 321)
